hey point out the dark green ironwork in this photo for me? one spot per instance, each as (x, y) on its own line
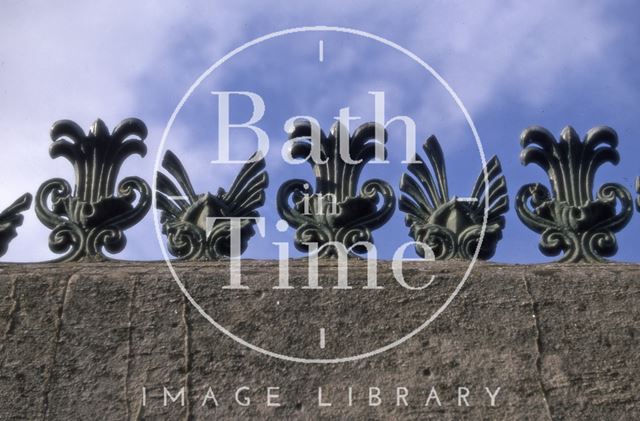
(91, 217)
(452, 227)
(572, 221)
(11, 219)
(336, 212)
(185, 214)
(638, 191)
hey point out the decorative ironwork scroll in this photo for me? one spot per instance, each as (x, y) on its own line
(11, 219)
(91, 217)
(336, 212)
(638, 191)
(572, 221)
(197, 226)
(452, 227)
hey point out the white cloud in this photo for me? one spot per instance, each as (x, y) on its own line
(95, 58)
(79, 62)
(521, 48)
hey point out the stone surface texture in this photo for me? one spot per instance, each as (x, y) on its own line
(80, 342)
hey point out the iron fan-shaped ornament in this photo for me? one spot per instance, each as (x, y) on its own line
(570, 220)
(335, 212)
(638, 191)
(11, 219)
(449, 226)
(91, 217)
(185, 215)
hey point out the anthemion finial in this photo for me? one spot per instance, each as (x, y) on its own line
(336, 212)
(197, 225)
(570, 220)
(452, 227)
(11, 219)
(91, 217)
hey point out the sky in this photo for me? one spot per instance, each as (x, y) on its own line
(513, 64)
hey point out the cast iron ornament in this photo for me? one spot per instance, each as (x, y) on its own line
(92, 217)
(571, 221)
(452, 227)
(335, 212)
(185, 214)
(11, 219)
(638, 191)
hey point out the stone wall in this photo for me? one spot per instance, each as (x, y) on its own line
(80, 341)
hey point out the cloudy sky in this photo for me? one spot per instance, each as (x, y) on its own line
(513, 64)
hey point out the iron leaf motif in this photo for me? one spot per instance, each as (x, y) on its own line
(11, 219)
(336, 212)
(449, 226)
(185, 214)
(570, 220)
(91, 218)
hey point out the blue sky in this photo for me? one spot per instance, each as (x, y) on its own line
(513, 64)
